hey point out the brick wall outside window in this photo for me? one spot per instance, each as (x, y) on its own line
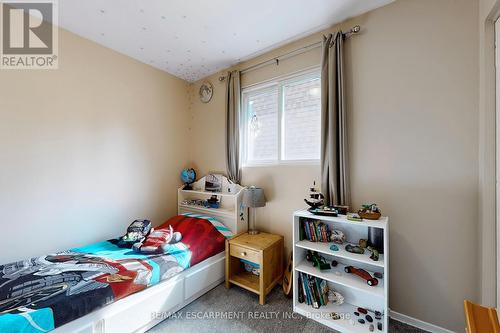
(302, 123)
(263, 140)
(292, 135)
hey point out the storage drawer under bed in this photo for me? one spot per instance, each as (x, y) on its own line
(151, 305)
(200, 279)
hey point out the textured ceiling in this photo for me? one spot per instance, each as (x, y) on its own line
(193, 39)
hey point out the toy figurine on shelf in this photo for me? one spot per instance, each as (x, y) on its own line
(316, 203)
(341, 209)
(324, 211)
(213, 202)
(327, 211)
(335, 316)
(318, 261)
(354, 217)
(316, 198)
(334, 248)
(337, 236)
(354, 249)
(370, 212)
(375, 255)
(335, 297)
(363, 243)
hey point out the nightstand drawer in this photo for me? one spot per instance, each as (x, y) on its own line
(244, 253)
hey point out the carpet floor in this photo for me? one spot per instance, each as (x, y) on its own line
(244, 314)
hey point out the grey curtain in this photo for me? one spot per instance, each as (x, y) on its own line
(334, 159)
(233, 100)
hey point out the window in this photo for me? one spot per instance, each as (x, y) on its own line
(281, 121)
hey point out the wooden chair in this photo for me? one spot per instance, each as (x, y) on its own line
(480, 319)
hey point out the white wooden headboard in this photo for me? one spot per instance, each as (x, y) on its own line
(231, 211)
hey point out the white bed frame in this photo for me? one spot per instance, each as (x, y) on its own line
(141, 311)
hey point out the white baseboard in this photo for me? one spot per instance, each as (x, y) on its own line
(418, 323)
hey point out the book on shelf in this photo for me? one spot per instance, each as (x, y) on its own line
(301, 297)
(320, 295)
(301, 234)
(305, 288)
(314, 231)
(312, 290)
(314, 293)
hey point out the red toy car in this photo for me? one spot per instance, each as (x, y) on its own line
(362, 274)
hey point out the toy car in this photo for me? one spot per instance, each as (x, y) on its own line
(317, 260)
(370, 280)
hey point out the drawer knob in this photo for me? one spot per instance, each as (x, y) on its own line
(243, 254)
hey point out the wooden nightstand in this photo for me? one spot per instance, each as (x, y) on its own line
(264, 249)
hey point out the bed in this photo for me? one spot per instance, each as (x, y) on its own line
(103, 288)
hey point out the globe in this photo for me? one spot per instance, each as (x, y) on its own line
(188, 176)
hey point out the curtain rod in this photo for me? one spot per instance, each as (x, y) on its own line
(354, 30)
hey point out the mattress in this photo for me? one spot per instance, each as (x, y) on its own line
(42, 293)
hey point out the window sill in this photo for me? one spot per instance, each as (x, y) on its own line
(282, 163)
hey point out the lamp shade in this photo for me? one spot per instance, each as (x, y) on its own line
(254, 197)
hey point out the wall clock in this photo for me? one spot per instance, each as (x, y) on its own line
(206, 92)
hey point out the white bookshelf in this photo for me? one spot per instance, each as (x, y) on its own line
(356, 291)
(231, 211)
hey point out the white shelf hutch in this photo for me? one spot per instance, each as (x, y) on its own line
(356, 291)
(231, 210)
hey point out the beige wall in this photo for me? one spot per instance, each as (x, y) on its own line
(87, 148)
(413, 118)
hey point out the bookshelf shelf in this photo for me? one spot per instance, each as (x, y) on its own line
(356, 292)
(342, 325)
(343, 279)
(324, 248)
(342, 219)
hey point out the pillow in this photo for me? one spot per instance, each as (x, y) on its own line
(199, 234)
